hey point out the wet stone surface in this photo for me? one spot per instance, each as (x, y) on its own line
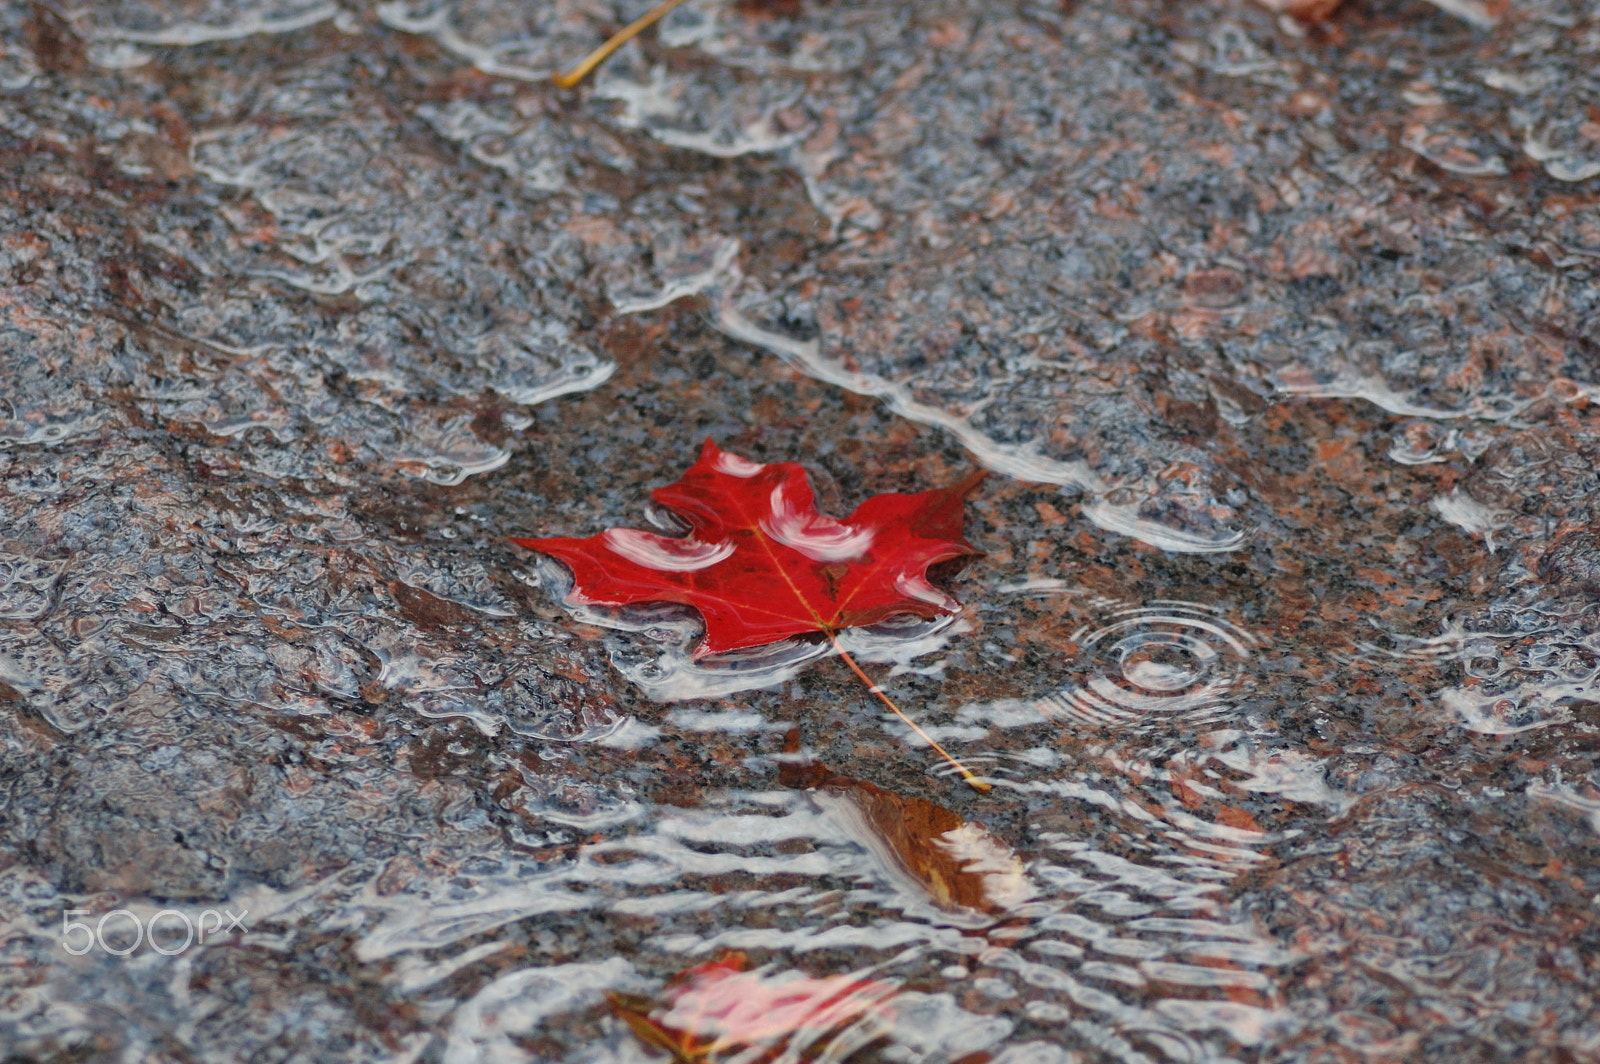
(1281, 341)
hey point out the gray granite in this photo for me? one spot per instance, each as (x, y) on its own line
(1281, 342)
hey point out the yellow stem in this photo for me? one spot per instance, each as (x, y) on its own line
(976, 784)
(600, 54)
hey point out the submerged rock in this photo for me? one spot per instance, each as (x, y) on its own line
(1573, 561)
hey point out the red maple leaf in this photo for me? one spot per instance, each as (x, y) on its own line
(761, 564)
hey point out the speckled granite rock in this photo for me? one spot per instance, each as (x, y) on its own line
(1282, 656)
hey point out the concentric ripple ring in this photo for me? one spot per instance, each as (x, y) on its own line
(1163, 662)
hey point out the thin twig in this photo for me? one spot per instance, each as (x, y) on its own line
(600, 54)
(966, 774)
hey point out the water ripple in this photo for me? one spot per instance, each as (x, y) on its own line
(1164, 662)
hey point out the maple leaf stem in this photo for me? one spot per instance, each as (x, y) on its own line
(622, 37)
(966, 773)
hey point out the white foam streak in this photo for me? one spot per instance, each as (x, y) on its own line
(445, 452)
(665, 553)
(656, 104)
(914, 586)
(422, 926)
(1566, 795)
(185, 34)
(1038, 585)
(1474, 12)
(1470, 515)
(1126, 520)
(817, 536)
(735, 466)
(1291, 774)
(437, 25)
(1378, 393)
(1525, 707)
(1021, 463)
(1246, 1024)
(683, 280)
(488, 1028)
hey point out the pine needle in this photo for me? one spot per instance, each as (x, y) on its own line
(622, 37)
(966, 774)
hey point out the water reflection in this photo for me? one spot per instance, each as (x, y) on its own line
(1119, 948)
(655, 643)
(282, 281)
(1109, 930)
(722, 1011)
(1522, 669)
(1173, 661)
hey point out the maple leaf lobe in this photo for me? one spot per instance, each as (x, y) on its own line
(760, 563)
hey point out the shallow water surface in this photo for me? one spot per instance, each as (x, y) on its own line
(1279, 340)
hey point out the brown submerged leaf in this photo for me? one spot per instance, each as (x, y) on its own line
(956, 863)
